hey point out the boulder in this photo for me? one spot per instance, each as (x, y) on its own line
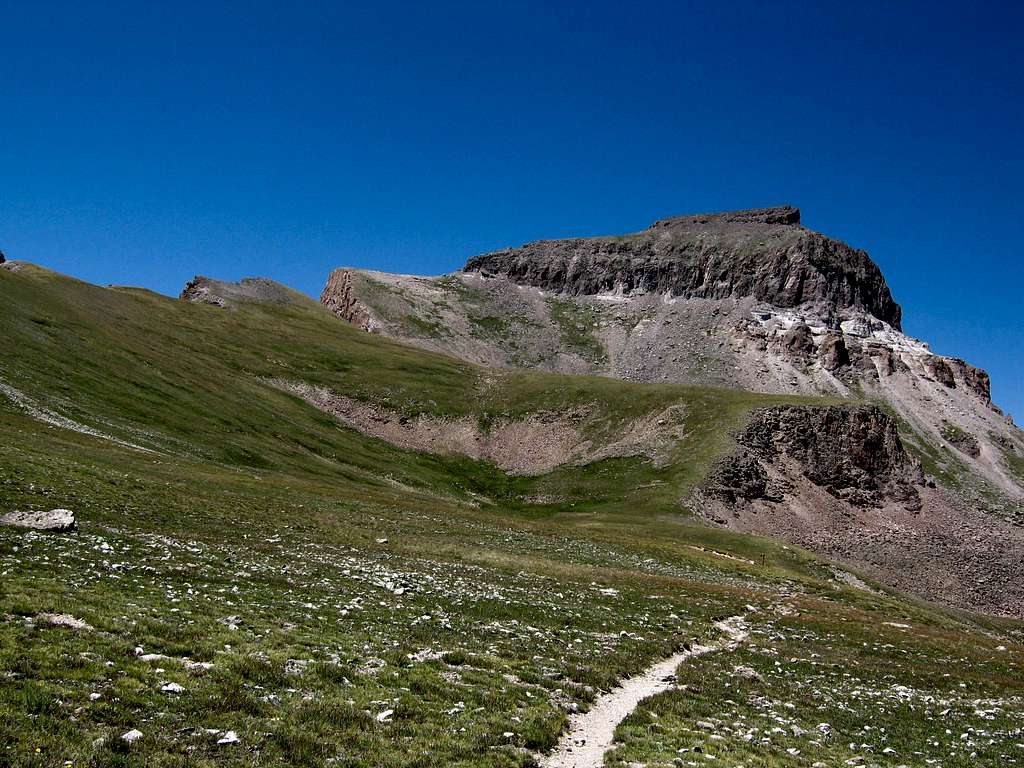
(833, 354)
(56, 520)
(798, 342)
(940, 371)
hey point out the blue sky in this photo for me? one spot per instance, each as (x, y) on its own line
(141, 143)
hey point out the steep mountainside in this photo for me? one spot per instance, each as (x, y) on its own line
(748, 299)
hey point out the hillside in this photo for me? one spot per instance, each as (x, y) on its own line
(302, 544)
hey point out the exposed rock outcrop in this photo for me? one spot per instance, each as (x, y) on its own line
(833, 353)
(761, 253)
(219, 293)
(798, 342)
(853, 452)
(940, 371)
(975, 379)
(340, 297)
(838, 481)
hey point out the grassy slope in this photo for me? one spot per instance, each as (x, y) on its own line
(252, 535)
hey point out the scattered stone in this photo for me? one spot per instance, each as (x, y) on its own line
(228, 738)
(172, 688)
(132, 736)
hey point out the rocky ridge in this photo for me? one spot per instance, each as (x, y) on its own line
(340, 297)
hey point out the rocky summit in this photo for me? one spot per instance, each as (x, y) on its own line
(763, 254)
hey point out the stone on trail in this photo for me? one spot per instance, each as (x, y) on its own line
(56, 520)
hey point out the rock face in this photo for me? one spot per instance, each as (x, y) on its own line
(853, 452)
(763, 254)
(56, 520)
(341, 298)
(205, 290)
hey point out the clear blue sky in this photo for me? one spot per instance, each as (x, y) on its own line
(141, 143)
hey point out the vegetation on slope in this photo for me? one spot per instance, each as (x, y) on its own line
(337, 600)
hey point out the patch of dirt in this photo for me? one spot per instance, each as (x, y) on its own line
(533, 445)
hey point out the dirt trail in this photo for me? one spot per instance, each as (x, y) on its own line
(590, 734)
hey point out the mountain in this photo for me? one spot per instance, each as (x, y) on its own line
(295, 542)
(746, 299)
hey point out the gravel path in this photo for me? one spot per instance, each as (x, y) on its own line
(590, 734)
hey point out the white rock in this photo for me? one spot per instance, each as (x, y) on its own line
(172, 688)
(63, 620)
(132, 736)
(56, 520)
(385, 715)
(228, 738)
